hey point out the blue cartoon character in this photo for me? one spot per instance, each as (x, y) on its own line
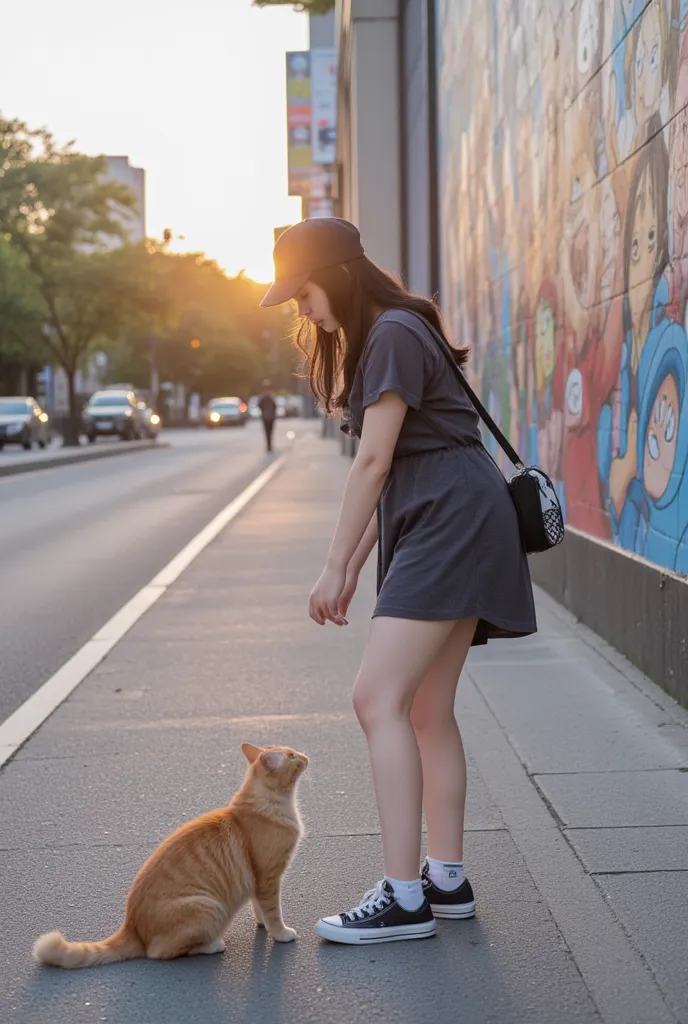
(646, 295)
(655, 515)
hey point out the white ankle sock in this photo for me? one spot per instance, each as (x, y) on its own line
(446, 875)
(408, 894)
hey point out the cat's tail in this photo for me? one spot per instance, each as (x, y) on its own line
(53, 949)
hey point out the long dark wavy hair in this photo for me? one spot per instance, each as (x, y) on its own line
(357, 292)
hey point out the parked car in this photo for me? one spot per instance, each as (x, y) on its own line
(22, 421)
(226, 412)
(113, 413)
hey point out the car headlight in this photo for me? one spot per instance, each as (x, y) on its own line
(128, 412)
(215, 417)
(155, 419)
(14, 428)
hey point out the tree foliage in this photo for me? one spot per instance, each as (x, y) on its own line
(239, 341)
(309, 6)
(20, 315)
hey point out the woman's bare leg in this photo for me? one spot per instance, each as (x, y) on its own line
(441, 749)
(397, 658)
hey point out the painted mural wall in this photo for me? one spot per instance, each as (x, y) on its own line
(563, 157)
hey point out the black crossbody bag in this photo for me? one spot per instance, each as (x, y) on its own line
(540, 519)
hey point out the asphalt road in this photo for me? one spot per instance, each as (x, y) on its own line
(76, 542)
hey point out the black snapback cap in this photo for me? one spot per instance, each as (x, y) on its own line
(312, 244)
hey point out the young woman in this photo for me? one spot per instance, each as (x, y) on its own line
(451, 569)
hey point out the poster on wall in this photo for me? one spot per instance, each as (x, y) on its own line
(563, 173)
(299, 121)
(311, 121)
(324, 105)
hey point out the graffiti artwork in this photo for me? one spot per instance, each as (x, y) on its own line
(563, 155)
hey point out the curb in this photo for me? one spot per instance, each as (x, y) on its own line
(83, 456)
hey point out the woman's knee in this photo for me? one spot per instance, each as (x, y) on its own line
(366, 706)
(376, 700)
(430, 717)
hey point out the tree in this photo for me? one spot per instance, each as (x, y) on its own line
(309, 6)
(21, 348)
(62, 216)
(239, 343)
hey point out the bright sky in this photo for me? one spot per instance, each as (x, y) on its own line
(191, 90)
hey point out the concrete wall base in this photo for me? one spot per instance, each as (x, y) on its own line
(638, 608)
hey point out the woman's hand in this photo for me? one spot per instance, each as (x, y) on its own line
(326, 596)
(350, 584)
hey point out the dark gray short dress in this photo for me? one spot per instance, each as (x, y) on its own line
(448, 543)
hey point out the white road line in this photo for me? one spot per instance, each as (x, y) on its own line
(16, 729)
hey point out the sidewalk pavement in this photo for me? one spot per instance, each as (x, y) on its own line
(577, 841)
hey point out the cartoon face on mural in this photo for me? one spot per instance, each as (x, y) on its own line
(646, 237)
(647, 65)
(660, 439)
(570, 227)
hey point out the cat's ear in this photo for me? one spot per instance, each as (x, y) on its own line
(251, 752)
(273, 760)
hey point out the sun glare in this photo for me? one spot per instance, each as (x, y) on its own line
(201, 106)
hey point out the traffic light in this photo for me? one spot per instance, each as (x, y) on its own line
(195, 343)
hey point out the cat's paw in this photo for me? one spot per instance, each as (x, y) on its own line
(288, 935)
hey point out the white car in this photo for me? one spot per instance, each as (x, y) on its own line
(22, 421)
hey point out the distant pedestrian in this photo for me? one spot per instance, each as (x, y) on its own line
(452, 571)
(268, 412)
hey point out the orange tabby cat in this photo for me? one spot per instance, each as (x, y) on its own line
(190, 888)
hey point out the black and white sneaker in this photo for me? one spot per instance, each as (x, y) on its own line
(378, 918)
(456, 904)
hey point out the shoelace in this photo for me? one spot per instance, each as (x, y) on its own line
(373, 900)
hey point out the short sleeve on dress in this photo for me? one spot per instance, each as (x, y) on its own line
(393, 361)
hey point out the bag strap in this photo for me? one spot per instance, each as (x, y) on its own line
(482, 412)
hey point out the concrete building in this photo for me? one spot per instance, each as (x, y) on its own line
(89, 378)
(472, 173)
(369, 125)
(119, 169)
(321, 31)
